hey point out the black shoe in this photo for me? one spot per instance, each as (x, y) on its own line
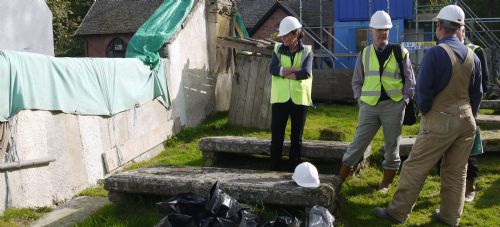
(437, 218)
(381, 213)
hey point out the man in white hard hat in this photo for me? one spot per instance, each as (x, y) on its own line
(382, 89)
(448, 93)
(291, 86)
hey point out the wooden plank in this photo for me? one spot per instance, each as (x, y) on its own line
(241, 86)
(252, 79)
(259, 91)
(123, 153)
(234, 88)
(244, 46)
(264, 121)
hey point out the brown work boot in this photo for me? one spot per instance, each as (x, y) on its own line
(470, 191)
(386, 181)
(344, 172)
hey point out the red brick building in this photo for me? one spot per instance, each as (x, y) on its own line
(109, 25)
(262, 17)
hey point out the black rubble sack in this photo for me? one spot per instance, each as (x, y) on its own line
(320, 217)
(185, 209)
(174, 220)
(248, 219)
(191, 210)
(222, 205)
(184, 203)
(283, 221)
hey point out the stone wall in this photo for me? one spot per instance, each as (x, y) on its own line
(87, 148)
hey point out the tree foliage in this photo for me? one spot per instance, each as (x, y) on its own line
(66, 17)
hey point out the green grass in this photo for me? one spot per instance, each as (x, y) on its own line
(357, 196)
(22, 216)
(96, 191)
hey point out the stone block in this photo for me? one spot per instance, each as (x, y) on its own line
(490, 138)
(492, 120)
(248, 145)
(276, 188)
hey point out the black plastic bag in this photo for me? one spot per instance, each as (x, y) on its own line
(283, 221)
(177, 220)
(411, 113)
(218, 222)
(185, 203)
(320, 217)
(222, 205)
(248, 219)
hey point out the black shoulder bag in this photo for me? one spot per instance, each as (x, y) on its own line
(411, 111)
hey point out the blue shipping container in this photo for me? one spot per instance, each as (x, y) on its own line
(351, 10)
(353, 33)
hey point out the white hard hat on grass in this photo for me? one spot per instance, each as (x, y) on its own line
(306, 175)
(380, 20)
(451, 13)
(288, 24)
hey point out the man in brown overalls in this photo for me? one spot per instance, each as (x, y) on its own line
(448, 93)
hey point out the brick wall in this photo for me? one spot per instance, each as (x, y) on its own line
(271, 25)
(95, 45)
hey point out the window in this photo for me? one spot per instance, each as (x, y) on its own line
(116, 48)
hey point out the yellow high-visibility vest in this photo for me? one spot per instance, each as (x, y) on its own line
(472, 46)
(282, 89)
(390, 78)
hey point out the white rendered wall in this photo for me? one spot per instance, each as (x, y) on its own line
(193, 92)
(26, 25)
(79, 142)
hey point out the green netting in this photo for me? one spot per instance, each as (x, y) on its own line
(158, 30)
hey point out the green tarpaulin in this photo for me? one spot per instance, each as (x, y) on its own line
(93, 86)
(158, 30)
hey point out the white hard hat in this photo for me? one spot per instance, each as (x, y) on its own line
(288, 24)
(451, 13)
(380, 20)
(306, 175)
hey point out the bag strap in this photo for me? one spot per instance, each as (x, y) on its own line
(398, 53)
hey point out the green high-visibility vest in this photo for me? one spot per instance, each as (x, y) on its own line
(282, 89)
(390, 78)
(472, 46)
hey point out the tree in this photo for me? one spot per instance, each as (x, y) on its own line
(66, 17)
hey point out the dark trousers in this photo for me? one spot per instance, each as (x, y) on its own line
(280, 114)
(472, 168)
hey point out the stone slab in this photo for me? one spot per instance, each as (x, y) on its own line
(249, 145)
(72, 212)
(490, 104)
(254, 186)
(493, 120)
(490, 138)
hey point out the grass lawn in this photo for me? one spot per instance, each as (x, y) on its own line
(357, 196)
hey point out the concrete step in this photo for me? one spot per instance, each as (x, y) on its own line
(493, 120)
(275, 188)
(490, 138)
(490, 104)
(72, 212)
(210, 146)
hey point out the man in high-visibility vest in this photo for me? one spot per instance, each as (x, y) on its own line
(472, 163)
(382, 93)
